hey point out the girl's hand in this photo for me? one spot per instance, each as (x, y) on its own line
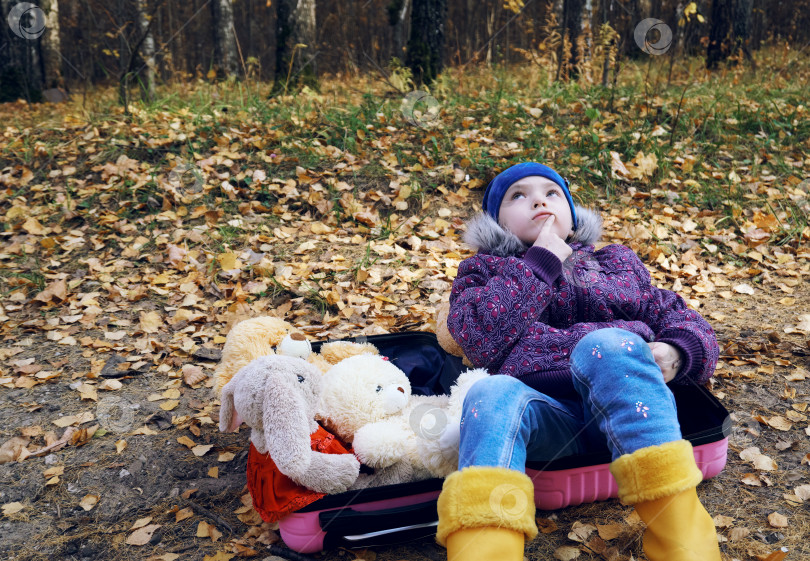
(551, 241)
(668, 358)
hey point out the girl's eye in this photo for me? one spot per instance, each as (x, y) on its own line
(379, 389)
(516, 195)
(553, 192)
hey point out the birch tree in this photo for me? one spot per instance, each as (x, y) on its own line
(148, 52)
(224, 36)
(295, 38)
(397, 10)
(51, 47)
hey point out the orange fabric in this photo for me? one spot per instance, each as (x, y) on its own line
(274, 494)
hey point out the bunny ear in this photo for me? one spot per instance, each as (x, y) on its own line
(228, 418)
(287, 420)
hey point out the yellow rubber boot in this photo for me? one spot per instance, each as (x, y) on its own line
(485, 544)
(486, 514)
(660, 481)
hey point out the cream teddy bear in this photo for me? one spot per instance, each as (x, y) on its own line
(366, 400)
(277, 397)
(265, 336)
(247, 340)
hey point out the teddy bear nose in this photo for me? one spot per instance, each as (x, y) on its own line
(401, 390)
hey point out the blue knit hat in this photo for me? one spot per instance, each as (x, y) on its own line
(497, 188)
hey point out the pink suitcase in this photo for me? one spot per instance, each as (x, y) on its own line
(404, 512)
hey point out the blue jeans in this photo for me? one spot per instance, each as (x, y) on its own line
(623, 405)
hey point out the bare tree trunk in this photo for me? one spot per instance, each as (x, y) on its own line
(730, 30)
(397, 12)
(606, 62)
(20, 64)
(295, 39)
(51, 57)
(572, 24)
(148, 52)
(225, 37)
(742, 13)
(426, 43)
(470, 29)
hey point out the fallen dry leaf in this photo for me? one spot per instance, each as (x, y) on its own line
(777, 520)
(609, 531)
(12, 448)
(206, 530)
(751, 479)
(803, 492)
(202, 449)
(777, 555)
(150, 322)
(186, 441)
(88, 502)
(57, 290)
(54, 471)
(183, 514)
(169, 405)
(193, 374)
(145, 430)
(566, 553)
(779, 423)
(744, 289)
(722, 521)
(738, 533)
(546, 525)
(141, 536)
(764, 463)
(141, 522)
(219, 556)
(12, 508)
(581, 532)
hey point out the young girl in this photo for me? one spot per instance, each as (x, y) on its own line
(585, 346)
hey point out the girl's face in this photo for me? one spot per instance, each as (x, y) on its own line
(529, 202)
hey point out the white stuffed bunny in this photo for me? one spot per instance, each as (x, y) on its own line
(276, 396)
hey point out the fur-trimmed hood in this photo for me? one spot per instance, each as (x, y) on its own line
(484, 234)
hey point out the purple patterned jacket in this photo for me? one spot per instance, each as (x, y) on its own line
(521, 312)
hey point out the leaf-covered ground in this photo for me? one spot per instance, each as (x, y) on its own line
(131, 244)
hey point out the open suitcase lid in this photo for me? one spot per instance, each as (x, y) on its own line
(431, 371)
